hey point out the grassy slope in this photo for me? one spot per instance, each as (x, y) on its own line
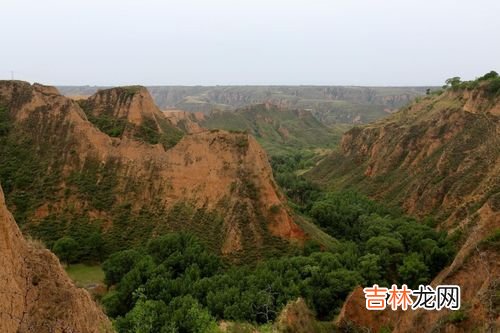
(279, 131)
(316, 233)
(456, 167)
(85, 275)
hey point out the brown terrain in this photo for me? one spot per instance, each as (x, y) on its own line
(296, 317)
(151, 165)
(440, 156)
(189, 121)
(36, 294)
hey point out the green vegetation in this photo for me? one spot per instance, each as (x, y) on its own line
(5, 124)
(286, 168)
(279, 131)
(84, 237)
(490, 83)
(85, 275)
(66, 249)
(458, 316)
(23, 173)
(376, 245)
(96, 182)
(163, 132)
(106, 123)
(131, 90)
(492, 241)
(176, 269)
(235, 327)
(387, 245)
(152, 131)
(112, 126)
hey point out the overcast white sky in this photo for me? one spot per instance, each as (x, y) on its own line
(195, 42)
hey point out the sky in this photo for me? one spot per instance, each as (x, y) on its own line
(231, 42)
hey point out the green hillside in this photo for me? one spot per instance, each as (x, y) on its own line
(278, 130)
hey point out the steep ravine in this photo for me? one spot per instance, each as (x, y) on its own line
(440, 157)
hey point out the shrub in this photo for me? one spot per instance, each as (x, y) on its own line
(66, 249)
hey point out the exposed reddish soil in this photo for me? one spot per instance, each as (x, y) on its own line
(36, 294)
(208, 169)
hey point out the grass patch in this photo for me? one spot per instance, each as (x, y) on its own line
(315, 233)
(85, 275)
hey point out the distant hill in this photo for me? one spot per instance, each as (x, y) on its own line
(277, 129)
(330, 104)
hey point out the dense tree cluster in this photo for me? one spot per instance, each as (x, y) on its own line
(174, 277)
(389, 247)
(301, 191)
(384, 245)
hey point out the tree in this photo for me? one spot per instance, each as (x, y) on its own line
(311, 246)
(453, 82)
(327, 290)
(413, 271)
(488, 76)
(119, 264)
(189, 317)
(5, 123)
(66, 248)
(147, 316)
(370, 268)
(264, 305)
(93, 246)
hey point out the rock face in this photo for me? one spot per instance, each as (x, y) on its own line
(188, 121)
(354, 314)
(296, 317)
(103, 167)
(36, 294)
(439, 156)
(131, 103)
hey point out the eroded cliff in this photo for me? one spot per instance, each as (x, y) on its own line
(215, 184)
(440, 156)
(36, 294)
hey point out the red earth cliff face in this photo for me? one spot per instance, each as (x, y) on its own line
(36, 294)
(227, 173)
